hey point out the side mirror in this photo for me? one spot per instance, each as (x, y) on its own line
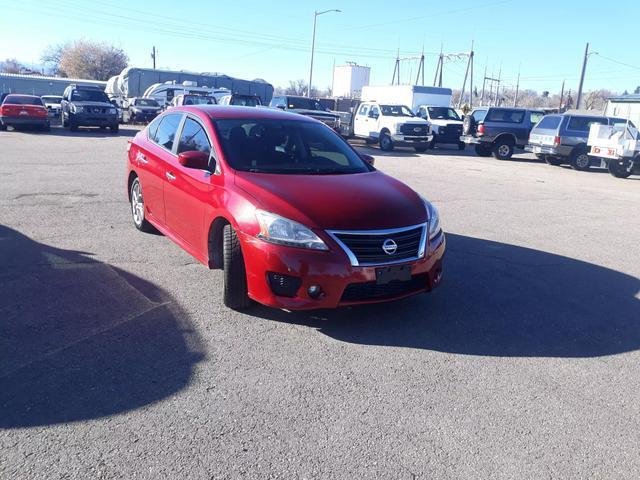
(194, 159)
(367, 158)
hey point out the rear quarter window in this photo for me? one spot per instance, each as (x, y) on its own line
(479, 115)
(549, 122)
(505, 116)
(582, 124)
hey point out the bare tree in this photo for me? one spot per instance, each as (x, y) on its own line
(10, 65)
(296, 87)
(86, 59)
(596, 99)
(51, 58)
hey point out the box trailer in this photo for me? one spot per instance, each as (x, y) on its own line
(412, 96)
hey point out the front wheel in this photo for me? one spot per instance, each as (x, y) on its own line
(137, 207)
(620, 168)
(235, 276)
(386, 144)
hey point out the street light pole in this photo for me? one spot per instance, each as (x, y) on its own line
(313, 45)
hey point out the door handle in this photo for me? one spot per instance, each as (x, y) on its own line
(170, 176)
(142, 159)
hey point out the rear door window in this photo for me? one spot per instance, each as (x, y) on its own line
(20, 100)
(166, 134)
(505, 115)
(582, 124)
(550, 122)
(363, 110)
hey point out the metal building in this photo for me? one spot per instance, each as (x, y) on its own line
(349, 79)
(40, 85)
(624, 106)
(132, 82)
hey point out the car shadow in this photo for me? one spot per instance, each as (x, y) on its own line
(88, 132)
(498, 300)
(80, 339)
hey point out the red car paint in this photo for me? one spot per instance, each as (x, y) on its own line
(23, 110)
(186, 207)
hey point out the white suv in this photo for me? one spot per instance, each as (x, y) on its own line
(391, 126)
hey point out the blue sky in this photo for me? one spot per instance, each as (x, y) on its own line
(544, 39)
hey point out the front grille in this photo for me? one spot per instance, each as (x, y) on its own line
(96, 110)
(330, 121)
(366, 247)
(414, 130)
(356, 292)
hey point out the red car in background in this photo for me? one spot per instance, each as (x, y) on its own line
(295, 217)
(23, 110)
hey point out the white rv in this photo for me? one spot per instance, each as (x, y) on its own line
(164, 93)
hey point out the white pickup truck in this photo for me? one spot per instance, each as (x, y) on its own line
(617, 146)
(391, 126)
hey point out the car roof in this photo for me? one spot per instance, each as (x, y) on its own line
(22, 95)
(223, 111)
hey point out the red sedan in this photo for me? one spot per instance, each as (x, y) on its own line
(295, 217)
(23, 110)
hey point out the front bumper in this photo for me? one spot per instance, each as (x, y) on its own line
(143, 116)
(332, 271)
(411, 141)
(23, 121)
(95, 120)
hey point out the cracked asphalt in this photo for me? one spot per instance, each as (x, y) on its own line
(118, 360)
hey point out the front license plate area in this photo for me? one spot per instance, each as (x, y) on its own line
(401, 273)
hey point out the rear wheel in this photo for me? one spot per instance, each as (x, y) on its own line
(620, 168)
(482, 150)
(235, 276)
(386, 144)
(580, 160)
(137, 207)
(503, 149)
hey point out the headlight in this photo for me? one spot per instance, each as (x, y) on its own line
(398, 127)
(76, 108)
(281, 231)
(113, 111)
(434, 219)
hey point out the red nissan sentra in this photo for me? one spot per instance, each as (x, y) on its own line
(295, 217)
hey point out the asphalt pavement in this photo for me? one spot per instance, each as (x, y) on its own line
(118, 359)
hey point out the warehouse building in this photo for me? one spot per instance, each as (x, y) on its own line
(40, 85)
(624, 106)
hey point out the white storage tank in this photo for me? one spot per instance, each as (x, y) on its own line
(349, 79)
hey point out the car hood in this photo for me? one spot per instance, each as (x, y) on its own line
(363, 201)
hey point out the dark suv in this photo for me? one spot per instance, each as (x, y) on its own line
(87, 106)
(563, 138)
(499, 130)
(309, 107)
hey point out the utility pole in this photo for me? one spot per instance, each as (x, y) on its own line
(497, 102)
(561, 97)
(313, 45)
(584, 68)
(420, 68)
(484, 82)
(466, 74)
(515, 99)
(153, 56)
(471, 79)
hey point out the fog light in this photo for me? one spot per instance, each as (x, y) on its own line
(314, 291)
(283, 285)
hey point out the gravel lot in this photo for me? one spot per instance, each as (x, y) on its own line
(118, 360)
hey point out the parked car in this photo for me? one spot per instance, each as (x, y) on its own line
(52, 102)
(615, 147)
(85, 106)
(499, 130)
(391, 126)
(563, 138)
(284, 206)
(309, 107)
(23, 110)
(192, 99)
(143, 109)
(446, 125)
(241, 100)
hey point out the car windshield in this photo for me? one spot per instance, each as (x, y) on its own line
(442, 113)
(304, 104)
(55, 100)
(22, 100)
(146, 102)
(89, 96)
(244, 101)
(198, 100)
(286, 147)
(396, 111)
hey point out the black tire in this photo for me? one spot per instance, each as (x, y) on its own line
(136, 201)
(462, 146)
(620, 168)
(421, 149)
(503, 149)
(3, 128)
(235, 276)
(115, 128)
(579, 159)
(555, 161)
(386, 144)
(482, 150)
